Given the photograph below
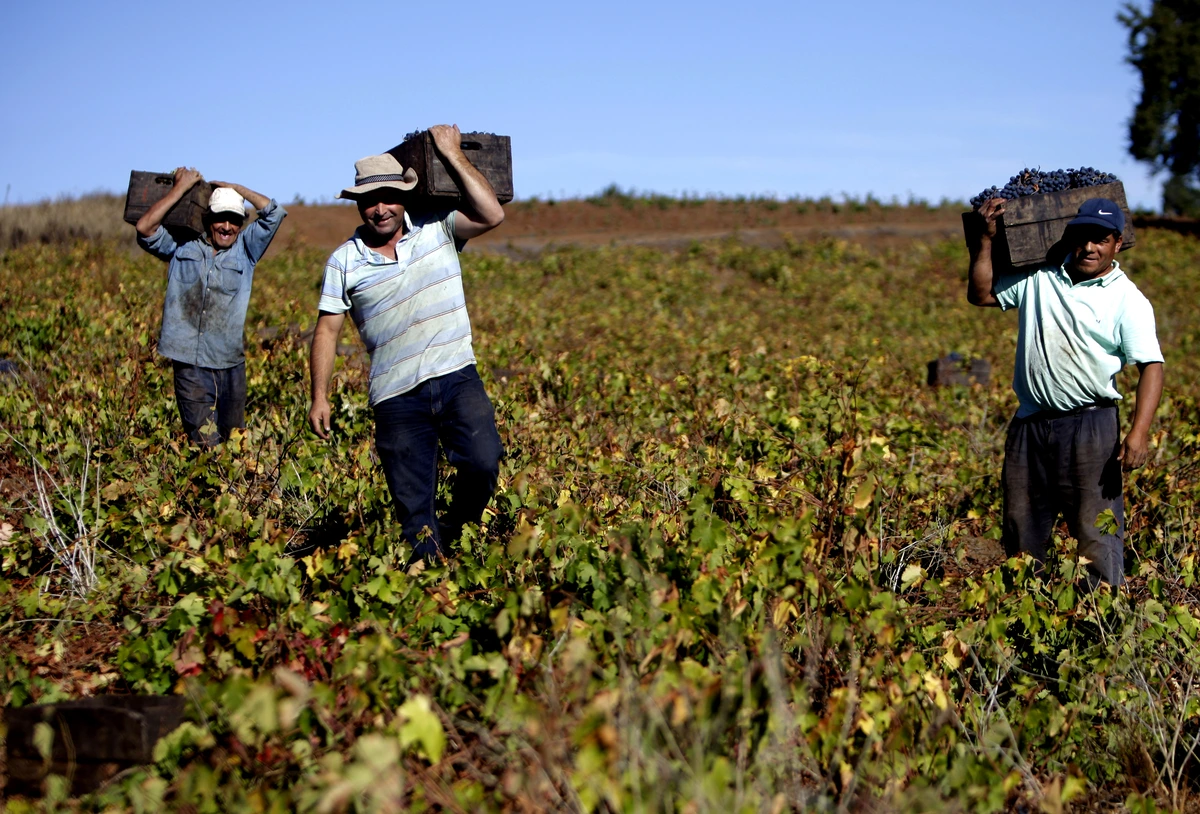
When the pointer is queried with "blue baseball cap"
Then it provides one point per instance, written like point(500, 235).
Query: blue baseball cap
point(1100, 212)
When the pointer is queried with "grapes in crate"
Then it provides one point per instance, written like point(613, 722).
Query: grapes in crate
point(1037, 182)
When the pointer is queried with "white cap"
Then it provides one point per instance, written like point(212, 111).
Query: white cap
point(224, 199)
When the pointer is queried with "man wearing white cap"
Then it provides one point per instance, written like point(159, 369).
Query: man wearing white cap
point(208, 290)
point(1080, 322)
point(399, 279)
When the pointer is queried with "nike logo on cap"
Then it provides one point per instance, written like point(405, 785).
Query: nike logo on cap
point(1102, 212)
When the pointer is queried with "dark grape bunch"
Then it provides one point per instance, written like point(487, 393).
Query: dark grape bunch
point(1035, 182)
point(416, 133)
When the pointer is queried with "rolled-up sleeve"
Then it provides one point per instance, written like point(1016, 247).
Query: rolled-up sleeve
point(258, 235)
point(448, 224)
point(334, 299)
point(160, 244)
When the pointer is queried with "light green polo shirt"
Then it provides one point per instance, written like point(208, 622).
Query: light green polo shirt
point(1074, 338)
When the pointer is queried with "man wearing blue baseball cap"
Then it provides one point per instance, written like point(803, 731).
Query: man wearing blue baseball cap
point(1080, 323)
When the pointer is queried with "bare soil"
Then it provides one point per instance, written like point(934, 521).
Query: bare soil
point(531, 226)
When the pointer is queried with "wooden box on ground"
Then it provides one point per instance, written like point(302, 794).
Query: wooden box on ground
point(148, 188)
point(491, 155)
point(1032, 227)
point(957, 369)
point(93, 739)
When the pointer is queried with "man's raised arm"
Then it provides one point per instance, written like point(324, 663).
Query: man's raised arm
point(981, 273)
point(482, 211)
point(258, 201)
point(185, 179)
point(259, 234)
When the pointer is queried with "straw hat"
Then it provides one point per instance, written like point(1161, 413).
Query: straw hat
point(376, 172)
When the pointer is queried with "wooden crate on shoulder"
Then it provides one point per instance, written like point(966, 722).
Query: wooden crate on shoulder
point(1031, 228)
point(489, 153)
point(148, 188)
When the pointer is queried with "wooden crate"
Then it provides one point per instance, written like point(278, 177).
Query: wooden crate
point(148, 188)
point(955, 369)
point(491, 155)
point(1031, 228)
point(94, 738)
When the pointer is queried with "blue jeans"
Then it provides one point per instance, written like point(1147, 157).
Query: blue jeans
point(1066, 464)
point(455, 411)
point(207, 396)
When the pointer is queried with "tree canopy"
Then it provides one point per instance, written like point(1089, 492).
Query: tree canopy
point(1164, 46)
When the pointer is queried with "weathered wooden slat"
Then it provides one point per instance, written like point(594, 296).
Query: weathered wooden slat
point(93, 738)
point(1031, 228)
point(490, 154)
point(955, 369)
point(148, 188)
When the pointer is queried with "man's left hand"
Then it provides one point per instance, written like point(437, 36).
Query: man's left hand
point(1134, 452)
point(447, 139)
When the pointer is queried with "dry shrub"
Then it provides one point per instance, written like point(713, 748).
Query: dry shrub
point(91, 217)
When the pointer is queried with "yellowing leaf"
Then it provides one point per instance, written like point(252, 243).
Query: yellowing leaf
point(933, 685)
point(865, 494)
point(421, 726)
point(43, 739)
point(913, 575)
point(952, 658)
point(783, 611)
point(1073, 787)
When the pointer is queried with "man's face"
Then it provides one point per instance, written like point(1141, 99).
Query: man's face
point(1093, 249)
point(223, 228)
point(382, 211)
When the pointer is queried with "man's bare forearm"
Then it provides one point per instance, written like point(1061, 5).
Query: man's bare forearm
point(320, 359)
point(981, 274)
point(1149, 394)
point(320, 368)
point(477, 192)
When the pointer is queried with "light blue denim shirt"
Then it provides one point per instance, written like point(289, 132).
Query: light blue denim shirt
point(204, 314)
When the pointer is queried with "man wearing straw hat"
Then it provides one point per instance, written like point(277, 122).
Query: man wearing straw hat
point(1080, 323)
point(399, 279)
point(208, 290)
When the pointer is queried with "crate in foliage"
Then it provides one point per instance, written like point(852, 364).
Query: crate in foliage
point(148, 188)
point(92, 739)
point(1031, 229)
point(489, 153)
point(956, 369)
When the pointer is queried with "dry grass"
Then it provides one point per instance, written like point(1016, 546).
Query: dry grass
point(91, 217)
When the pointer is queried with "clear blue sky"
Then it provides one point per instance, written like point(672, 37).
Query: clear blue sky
point(923, 99)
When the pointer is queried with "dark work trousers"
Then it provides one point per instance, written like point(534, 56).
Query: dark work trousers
point(208, 396)
point(455, 411)
point(1065, 463)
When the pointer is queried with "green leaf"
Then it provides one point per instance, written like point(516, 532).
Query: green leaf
point(421, 726)
point(43, 739)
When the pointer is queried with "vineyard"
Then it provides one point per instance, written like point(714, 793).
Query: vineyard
point(742, 558)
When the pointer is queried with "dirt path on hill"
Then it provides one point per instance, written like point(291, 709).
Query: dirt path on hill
point(532, 226)
point(877, 236)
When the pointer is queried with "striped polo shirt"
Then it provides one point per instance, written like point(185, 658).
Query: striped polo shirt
point(411, 312)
